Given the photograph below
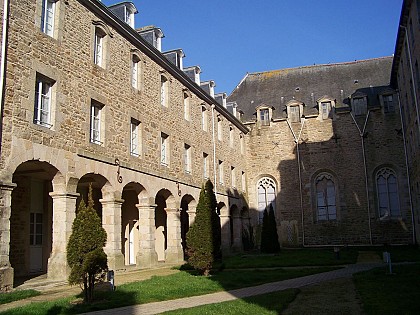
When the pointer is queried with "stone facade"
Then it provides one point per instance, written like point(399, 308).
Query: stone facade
point(50, 166)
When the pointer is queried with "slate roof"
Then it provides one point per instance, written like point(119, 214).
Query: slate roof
point(308, 84)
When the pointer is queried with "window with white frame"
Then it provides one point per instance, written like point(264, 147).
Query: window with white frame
point(164, 91)
point(325, 109)
point(243, 183)
point(233, 176)
point(387, 193)
point(221, 173)
point(266, 195)
point(241, 143)
point(204, 118)
point(388, 103)
point(43, 101)
point(98, 49)
point(96, 122)
point(219, 129)
point(164, 149)
point(205, 165)
point(325, 197)
point(359, 106)
point(187, 106)
point(135, 72)
point(294, 113)
point(135, 137)
point(187, 158)
point(264, 115)
point(48, 17)
point(231, 137)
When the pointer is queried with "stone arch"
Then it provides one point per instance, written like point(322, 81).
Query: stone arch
point(131, 194)
point(31, 220)
point(247, 230)
point(163, 200)
point(187, 216)
point(235, 228)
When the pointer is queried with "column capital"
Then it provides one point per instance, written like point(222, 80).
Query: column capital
point(7, 186)
point(172, 210)
point(146, 207)
point(111, 201)
point(63, 195)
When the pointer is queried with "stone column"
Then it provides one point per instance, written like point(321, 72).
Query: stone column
point(174, 252)
point(146, 255)
point(191, 214)
point(111, 222)
point(237, 233)
point(6, 271)
point(64, 213)
point(225, 224)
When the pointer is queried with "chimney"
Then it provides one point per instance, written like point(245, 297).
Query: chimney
point(175, 56)
point(153, 35)
point(124, 11)
point(221, 98)
point(193, 73)
point(208, 86)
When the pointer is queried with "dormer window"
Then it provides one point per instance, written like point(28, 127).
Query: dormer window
point(125, 11)
point(294, 110)
point(175, 57)
point(193, 73)
point(264, 117)
point(153, 35)
point(325, 107)
point(208, 86)
point(388, 103)
point(359, 105)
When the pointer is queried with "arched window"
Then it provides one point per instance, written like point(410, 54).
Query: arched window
point(325, 197)
point(387, 193)
point(266, 192)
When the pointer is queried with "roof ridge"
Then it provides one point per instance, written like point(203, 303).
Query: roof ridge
point(320, 65)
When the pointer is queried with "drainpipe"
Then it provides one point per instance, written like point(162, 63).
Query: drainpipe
point(361, 133)
point(3, 64)
point(297, 139)
point(407, 170)
point(214, 148)
point(413, 83)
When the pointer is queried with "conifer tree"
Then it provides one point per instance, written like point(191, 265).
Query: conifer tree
point(85, 253)
point(269, 236)
point(203, 237)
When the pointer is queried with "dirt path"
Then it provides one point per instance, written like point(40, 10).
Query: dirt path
point(333, 297)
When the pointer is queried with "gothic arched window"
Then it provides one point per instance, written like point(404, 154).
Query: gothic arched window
point(387, 193)
point(266, 192)
point(325, 197)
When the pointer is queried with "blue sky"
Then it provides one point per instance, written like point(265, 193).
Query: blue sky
point(228, 38)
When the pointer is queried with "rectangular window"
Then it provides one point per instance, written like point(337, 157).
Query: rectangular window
point(42, 111)
point(241, 143)
point(163, 91)
point(359, 106)
point(243, 181)
point(98, 50)
point(135, 137)
point(164, 149)
point(205, 165)
point(221, 173)
point(135, 71)
point(95, 122)
point(294, 113)
point(233, 176)
point(264, 117)
point(204, 118)
point(388, 103)
point(187, 158)
point(325, 109)
point(231, 137)
point(47, 17)
point(187, 109)
point(219, 129)
point(35, 228)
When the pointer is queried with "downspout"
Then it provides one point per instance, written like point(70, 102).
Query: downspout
point(3, 64)
point(297, 139)
point(214, 149)
point(413, 83)
point(407, 170)
point(361, 133)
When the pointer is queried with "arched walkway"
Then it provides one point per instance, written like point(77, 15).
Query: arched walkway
point(187, 215)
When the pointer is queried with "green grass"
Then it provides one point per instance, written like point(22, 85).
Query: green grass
point(266, 304)
point(293, 258)
point(401, 253)
point(17, 295)
point(174, 286)
point(398, 293)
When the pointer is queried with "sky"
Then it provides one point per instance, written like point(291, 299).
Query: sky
point(229, 38)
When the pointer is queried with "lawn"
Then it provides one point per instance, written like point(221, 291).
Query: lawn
point(17, 295)
point(163, 288)
point(398, 293)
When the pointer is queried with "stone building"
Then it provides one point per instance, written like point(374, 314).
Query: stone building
point(331, 142)
point(406, 78)
point(88, 99)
